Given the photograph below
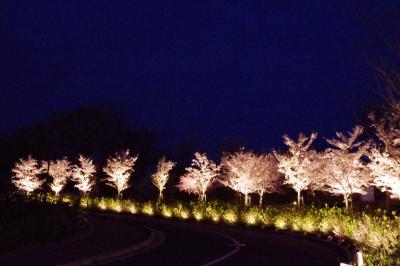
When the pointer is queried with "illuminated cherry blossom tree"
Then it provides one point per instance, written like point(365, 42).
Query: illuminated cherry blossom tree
point(298, 165)
point(266, 174)
point(388, 132)
point(118, 169)
point(26, 175)
point(60, 171)
point(82, 174)
point(385, 157)
point(345, 173)
point(386, 172)
point(239, 169)
point(200, 175)
point(160, 178)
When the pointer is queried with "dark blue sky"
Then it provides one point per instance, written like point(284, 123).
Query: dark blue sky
point(214, 69)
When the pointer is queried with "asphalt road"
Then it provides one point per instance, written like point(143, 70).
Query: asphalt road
point(190, 243)
point(103, 236)
point(175, 243)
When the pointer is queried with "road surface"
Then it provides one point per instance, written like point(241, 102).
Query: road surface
point(133, 240)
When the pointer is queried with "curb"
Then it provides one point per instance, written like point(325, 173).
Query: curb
point(330, 241)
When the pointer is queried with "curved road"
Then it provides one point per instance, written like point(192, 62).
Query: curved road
point(175, 243)
point(190, 243)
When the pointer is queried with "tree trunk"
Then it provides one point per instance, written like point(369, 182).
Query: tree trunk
point(261, 199)
point(387, 201)
point(160, 196)
point(346, 201)
point(203, 197)
point(246, 199)
point(298, 198)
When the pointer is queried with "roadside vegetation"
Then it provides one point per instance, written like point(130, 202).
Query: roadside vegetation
point(374, 232)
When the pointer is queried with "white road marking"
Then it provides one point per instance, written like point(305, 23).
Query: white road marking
point(156, 238)
point(235, 244)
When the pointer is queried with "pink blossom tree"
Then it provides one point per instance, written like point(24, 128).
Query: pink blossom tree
point(118, 169)
point(239, 172)
point(386, 172)
point(26, 175)
point(60, 171)
point(345, 173)
point(387, 129)
point(298, 164)
point(83, 173)
point(267, 176)
point(161, 176)
point(200, 175)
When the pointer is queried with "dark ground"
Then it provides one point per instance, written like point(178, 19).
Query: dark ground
point(185, 243)
point(193, 244)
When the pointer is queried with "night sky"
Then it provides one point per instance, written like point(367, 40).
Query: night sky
point(211, 70)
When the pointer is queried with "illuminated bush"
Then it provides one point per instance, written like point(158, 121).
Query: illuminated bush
point(148, 209)
point(165, 210)
point(116, 205)
point(198, 210)
point(250, 216)
point(308, 224)
point(132, 208)
point(181, 212)
point(281, 222)
point(267, 215)
point(214, 211)
point(230, 216)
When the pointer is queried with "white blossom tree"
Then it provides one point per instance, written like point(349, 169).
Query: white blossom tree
point(200, 175)
point(161, 176)
point(267, 176)
point(26, 175)
point(386, 172)
point(298, 165)
point(385, 157)
point(345, 173)
point(83, 173)
point(118, 169)
point(388, 131)
point(60, 171)
point(239, 169)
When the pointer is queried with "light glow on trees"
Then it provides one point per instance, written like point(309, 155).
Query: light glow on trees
point(26, 175)
point(160, 178)
point(267, 176)
point(82, 174)
point(386, 172)
point(297, 165)
point(239, 168)
point(118, 169)
point(388, 132)
point(60, 171)
point(345, 173)
point(199, 176)
point(385, 160)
